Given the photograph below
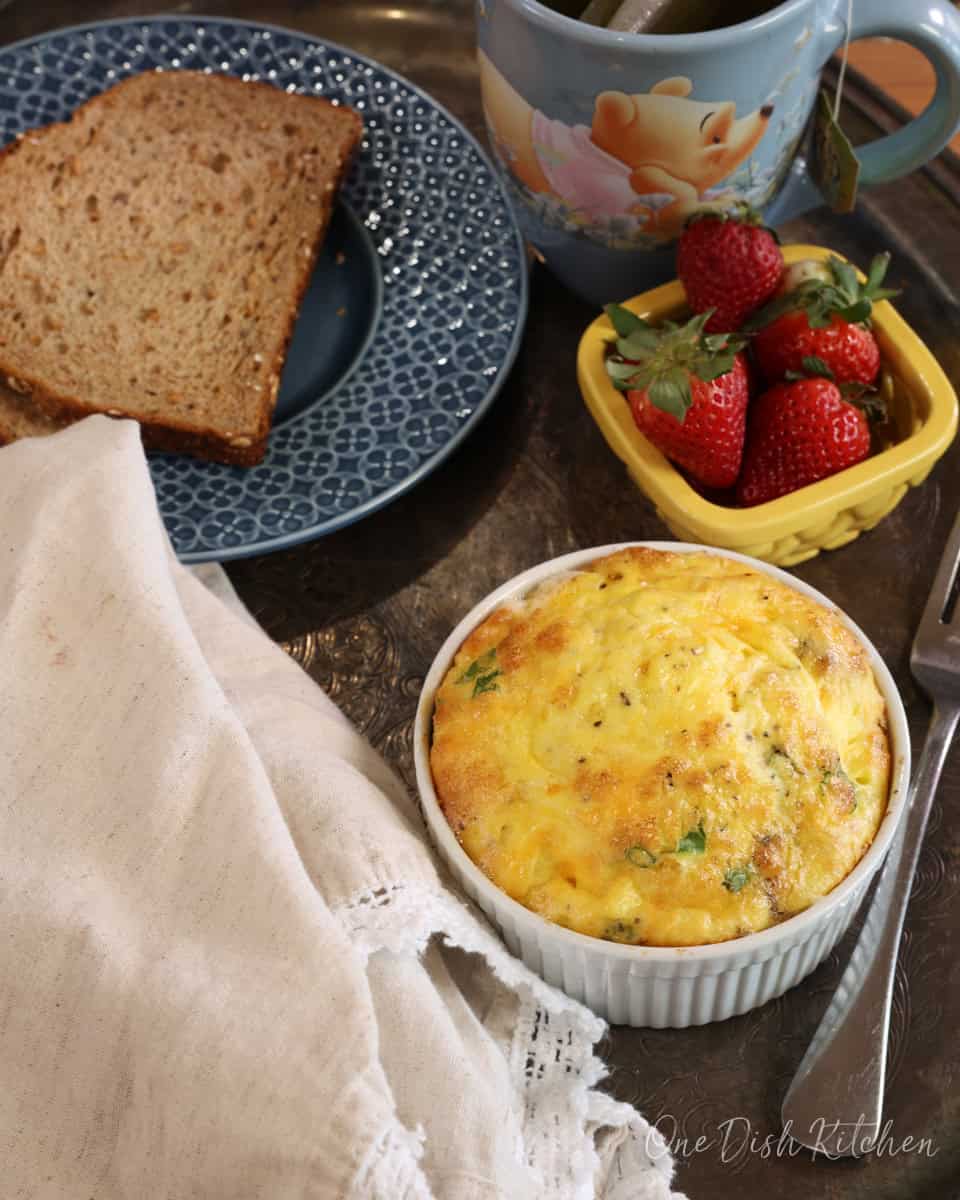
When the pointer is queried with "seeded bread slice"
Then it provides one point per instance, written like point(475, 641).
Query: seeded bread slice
point(20, 418)
point(154, 250)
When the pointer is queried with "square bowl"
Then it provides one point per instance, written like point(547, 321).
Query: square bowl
point(661, 986)
point(820, 516)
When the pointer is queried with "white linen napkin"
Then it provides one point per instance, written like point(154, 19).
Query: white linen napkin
point(228, 966)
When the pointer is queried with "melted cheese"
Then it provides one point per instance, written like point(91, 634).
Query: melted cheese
point(663, 749)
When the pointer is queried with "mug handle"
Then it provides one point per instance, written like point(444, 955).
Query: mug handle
point(937, 36)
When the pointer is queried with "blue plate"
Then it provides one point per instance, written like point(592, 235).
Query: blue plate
point(415, 309)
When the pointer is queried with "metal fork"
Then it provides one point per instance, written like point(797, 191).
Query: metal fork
point(835, 1103)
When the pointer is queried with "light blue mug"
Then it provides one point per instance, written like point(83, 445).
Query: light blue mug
point(609, 141)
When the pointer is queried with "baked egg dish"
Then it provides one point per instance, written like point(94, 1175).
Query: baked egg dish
point(661, 748)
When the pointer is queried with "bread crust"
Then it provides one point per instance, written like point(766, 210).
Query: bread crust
point(170, 432)
point(20, 418)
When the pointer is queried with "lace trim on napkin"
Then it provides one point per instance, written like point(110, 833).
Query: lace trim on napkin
point(579, 1142)
point(391, 1168)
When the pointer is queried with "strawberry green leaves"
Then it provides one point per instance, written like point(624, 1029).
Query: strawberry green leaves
point(660, 361)
point(814, 365)
point(841, 295)
point(858, 299)
point(692, 391)
point(861, 394)
point(669, 392)
point(624, 321)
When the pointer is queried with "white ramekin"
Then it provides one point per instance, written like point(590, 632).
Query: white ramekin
point(654, 986)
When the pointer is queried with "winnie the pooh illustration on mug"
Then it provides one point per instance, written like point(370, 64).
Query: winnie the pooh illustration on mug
point(653, 157)
point(608, 142)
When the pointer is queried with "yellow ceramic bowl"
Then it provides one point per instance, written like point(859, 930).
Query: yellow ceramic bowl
point(821, 516)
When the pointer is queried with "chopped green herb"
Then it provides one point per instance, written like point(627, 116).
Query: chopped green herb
point(640, 856)
point(620, 931)
point(736, 878)
point(836, 777)
point(694, 841)
point(479, 665)
point(837, 772)
point(479, 671)
point(484, 683)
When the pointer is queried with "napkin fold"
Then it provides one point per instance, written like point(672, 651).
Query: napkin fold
point(228, 965)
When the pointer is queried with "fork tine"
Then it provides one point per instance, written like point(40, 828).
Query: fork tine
point(935, 613)
point(853, 1031)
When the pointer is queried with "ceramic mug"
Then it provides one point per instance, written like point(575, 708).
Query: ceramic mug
point(609, 141)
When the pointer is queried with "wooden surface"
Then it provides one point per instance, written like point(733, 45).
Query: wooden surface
point(900, 70)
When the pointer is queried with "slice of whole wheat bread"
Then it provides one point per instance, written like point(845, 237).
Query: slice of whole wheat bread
point(154, 250)
point(20, 418)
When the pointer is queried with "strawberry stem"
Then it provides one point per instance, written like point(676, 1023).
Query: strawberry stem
point(661, 361)
point(842, 295)
point(740, 211)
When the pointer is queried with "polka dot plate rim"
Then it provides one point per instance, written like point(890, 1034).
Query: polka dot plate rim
point(424, 325)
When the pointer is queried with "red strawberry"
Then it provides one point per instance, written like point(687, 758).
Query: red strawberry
point(687, 390)
point(849, 352)
point(731, 264)
point(708, 441)
point(799, 432)
point(825, 322)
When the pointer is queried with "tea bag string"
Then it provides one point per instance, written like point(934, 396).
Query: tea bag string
point(843, 62)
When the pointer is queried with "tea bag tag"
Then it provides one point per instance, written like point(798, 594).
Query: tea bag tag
point(835, 167)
